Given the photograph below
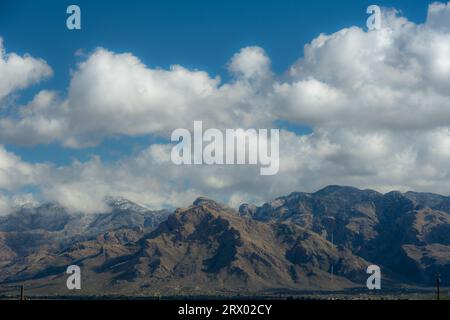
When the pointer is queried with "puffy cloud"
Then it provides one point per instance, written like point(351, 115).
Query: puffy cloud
point(115, 94)
point(394, 78)
point(18, 72)
point(250, 63)
point(377, 101)
point(5, 206)
point(41, 121)
point(382, 160)
point(438, 17)
point(16, 173)
point(397, 77)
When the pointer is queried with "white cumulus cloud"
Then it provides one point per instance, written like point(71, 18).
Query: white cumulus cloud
point(18, 72)
point(377, 102)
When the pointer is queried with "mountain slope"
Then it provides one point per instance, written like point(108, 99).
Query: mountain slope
point(304, 241)
point(206, 248)
point(49, 227)
point(207, 244)
point(406, 233)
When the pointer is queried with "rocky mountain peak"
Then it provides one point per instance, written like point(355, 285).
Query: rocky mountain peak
point(211, 204)
point(247, 210)
point(291, 243)
point(120, 203)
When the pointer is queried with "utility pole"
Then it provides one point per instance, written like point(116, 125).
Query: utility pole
point(438, 283)
point(332, 264)
point(333, 228)
point(22, 292)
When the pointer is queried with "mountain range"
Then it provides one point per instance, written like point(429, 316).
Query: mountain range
point(300, 242)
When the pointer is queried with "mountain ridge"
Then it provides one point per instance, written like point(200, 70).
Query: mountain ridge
point(303, 241)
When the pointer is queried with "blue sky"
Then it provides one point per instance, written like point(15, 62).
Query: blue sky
point(367, 108)
point(196, 34)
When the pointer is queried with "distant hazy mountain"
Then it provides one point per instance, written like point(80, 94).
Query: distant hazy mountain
point(50, 227)
point(303, 241)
